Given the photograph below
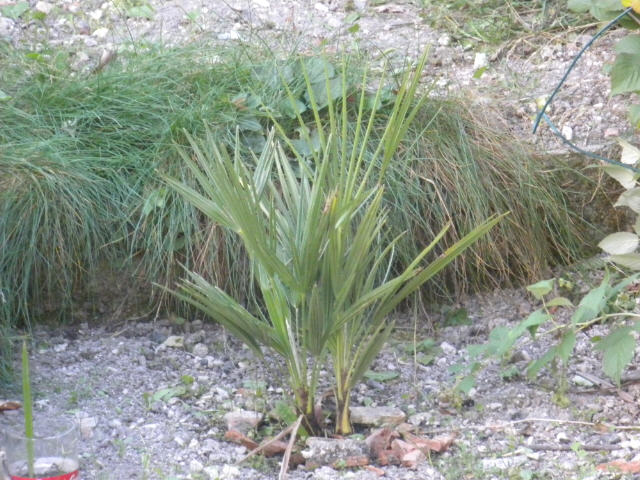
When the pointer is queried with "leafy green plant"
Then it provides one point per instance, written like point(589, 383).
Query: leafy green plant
point(312, 231)
point(625, 72)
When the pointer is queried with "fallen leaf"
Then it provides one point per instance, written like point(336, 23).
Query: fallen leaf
point(426, 445)
point(351, 462)
point(408, 453)
point(379, 443)
point(5, 406)
point(377, 471)
point(621, 465)
point(241, 439)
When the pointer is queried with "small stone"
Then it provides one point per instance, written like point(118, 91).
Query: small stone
point(212, 472)
point(444, 40)
point(321, 7)
point(580, 381)
point(200, 350)
point(611, 132)
point(243, 420)
point(503, 463)
point(231, 35)
point(377, 416)
point(6, 27)
point(87, 425)
point(179, 441)
point(61, 347)
point(195, 466)
point(448, 349)
point(327, 451)
point(481, 60)
point(44, 7)
point(101, 32)
point(562, 438)
point(174, 341)
point(96, 14)
point(567, 132)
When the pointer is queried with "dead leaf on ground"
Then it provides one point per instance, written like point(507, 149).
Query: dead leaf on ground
point(408, 453)
point(351, 462)
point(6, 406)
point(620, 465)
point(241, 439)
point(425, 445)
point(271, 449)
point(377, 471)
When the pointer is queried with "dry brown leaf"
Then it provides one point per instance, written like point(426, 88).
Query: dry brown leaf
point(351, 462)
point(426, 445)
point(241, 439)
point(408, 454)
point(377, 471)
point(6, 406)
point(620, 465)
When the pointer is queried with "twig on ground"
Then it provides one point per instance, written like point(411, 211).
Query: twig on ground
point(264, 445)
point(287, 452)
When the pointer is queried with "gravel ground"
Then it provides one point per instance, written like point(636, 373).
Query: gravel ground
point(148, 410)
point(151, 411)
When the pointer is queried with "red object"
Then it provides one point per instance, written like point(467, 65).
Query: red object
point(75, 475)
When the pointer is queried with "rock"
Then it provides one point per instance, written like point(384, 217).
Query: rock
point(377, 416)
point(6, 27)
point(174, 341)
point(444, 40)
point(243, 420)
point(481, 60)
point(448, 349)
point(611, 132)
point(567, 132)
point(333, 451)
point(101, 32)
point(503, 463)
point(44, 7)
point(200, 350)
point(87, 424)
point(195, 466)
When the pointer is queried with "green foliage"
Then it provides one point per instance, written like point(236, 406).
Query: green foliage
point(625, 72)
point(311, 224)
point(80, 155)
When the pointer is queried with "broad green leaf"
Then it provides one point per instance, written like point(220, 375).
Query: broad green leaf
point(466, 384)
point(292, 108)
point(625, 73)
point(565, 347)
point(166, 394)
point(319, 69)
point(533, 322)
point(321, 94)
point(381, 376)
point(541, 288)
point(629, 44)
point(591, 304)
point(560, 302)
point(636, 226)
point(620, 243)
point(631, 199)
point(629, 260)
point(618, 349)
point(630, 154)
point(4, 97)
point(14, 11)
point(624, 176)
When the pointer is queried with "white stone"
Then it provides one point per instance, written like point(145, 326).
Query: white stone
point(377, 416)
point(321, 7)
point(96, 15)
point(444, 40)
point(231, 35)
point(200, 350)
point(6, 27)
point(87, 425)
point(243, 420)
point(101, 32)
point(567, 132)
point(481, 60)
point(195, 466)
point(44, 7)
point(174, 341)
point(448, 349)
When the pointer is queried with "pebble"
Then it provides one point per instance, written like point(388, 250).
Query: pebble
point(195, 466)
point(481, 60)
point(377, 416)
point(200, 350)
point(44, 7)
point(101, 32)
point(6, 27)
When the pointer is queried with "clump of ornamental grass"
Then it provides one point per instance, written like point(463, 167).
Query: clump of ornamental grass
point(457, 168)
